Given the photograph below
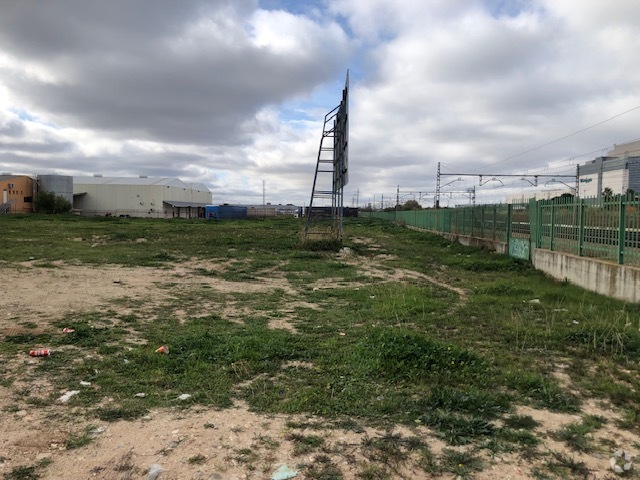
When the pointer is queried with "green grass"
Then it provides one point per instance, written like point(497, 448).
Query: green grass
point(303, 444)
point(81, 439)
point(577, 436)
point(376, 352)
point(22, 473)
point(323, 468)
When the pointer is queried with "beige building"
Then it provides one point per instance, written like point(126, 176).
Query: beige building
point(619, 172)
point(139, 197)
point(16, 194)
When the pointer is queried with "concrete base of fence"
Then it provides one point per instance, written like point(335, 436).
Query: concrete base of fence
point(610, 279)
point(499, 247)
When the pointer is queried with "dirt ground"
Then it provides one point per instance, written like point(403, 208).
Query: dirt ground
point(201, 443)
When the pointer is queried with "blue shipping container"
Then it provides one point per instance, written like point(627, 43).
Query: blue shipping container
point(231, 211)
point(211, 212)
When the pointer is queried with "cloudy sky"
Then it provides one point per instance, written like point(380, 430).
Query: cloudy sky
point(232, 93)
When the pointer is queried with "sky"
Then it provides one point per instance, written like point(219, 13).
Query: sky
point(233, 94)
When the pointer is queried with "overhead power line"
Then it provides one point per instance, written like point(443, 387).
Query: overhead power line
point(566, 136)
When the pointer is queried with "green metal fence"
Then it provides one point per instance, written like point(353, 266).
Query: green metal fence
point(608, 229)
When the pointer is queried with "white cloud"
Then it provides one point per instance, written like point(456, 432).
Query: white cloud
point(231, 94)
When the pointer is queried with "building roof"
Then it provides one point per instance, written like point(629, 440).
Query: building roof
point(199, 187)
point(4, 177)
point(169, 182)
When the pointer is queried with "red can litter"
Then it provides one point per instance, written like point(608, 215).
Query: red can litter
point(44, 352)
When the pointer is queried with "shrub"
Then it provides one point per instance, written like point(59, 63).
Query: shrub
point(49, 202)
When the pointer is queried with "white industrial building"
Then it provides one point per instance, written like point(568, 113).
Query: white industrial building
point(139, 197)
point(619, 171)
point(525, 196)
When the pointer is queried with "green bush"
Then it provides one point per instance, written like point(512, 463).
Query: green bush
point(49, 202)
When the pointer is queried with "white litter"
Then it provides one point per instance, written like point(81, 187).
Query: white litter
point(67, 396)
point(184, 396)
point(284, 473)
point(154, 471)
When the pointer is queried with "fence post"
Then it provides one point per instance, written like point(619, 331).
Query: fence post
point(533, 228)
point(581, 220)
point(552, 227)
point(621, 229)
point(495, 220)
point(509, 213)
point(472, 219)
point(482, 221)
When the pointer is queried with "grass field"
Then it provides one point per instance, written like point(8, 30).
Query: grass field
point(400, 328)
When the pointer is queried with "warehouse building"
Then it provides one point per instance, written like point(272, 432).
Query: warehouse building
point(619, 171)
point(139, 197)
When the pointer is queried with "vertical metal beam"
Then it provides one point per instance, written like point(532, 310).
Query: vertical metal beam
point(581, 219)
point(621, 229)
point(437, 200)
point(552, 227)
point(509, 216)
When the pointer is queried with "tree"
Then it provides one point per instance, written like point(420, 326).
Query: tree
point(607, 192)
point(49, 202)
point(411, 205)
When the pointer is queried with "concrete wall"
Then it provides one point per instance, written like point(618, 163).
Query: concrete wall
point(499, 247)
point(610, 279)
point(496, 246)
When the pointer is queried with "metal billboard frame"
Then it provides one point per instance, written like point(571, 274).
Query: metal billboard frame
point(331, 174)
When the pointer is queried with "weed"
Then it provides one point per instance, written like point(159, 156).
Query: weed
point(246, 456)
point(197, 459)
point(374, 472)
point(22, 473)
point(565, 465)
point(323, 468)
point(542, 391)
point(523, 422)
point(80, 440)
point(577, 435)
point(390, 450)
point(267, 442)
point(323, 245)
point(128, 412)
point(458, 429)
point(472, 401)
point(460, 463)
point(303, 444)
point(522, 438)
point(124, 464)
point(347, 424)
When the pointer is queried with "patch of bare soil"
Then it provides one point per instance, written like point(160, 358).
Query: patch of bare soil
point(200, 443)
